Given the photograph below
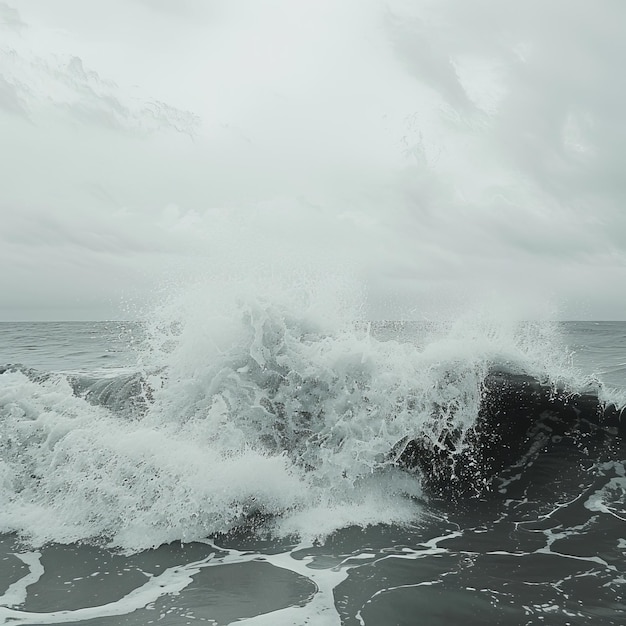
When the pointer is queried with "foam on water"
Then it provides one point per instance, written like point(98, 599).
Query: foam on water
point(276, 411)
point(609, 499)
point(319, 608)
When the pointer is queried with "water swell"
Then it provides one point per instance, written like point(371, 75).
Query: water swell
point(266, 415)
point(124, 394)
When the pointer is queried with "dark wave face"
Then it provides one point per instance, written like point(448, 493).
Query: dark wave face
point(519, 416)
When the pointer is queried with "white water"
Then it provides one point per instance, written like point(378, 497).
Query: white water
point(273, 408)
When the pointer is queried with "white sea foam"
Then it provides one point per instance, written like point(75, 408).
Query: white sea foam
point(319, 609)
point(609, 499)
point(16, 594)
point(273, 408)
point(171, 581)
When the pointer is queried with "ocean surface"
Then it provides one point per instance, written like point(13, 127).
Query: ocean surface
point(248, 469)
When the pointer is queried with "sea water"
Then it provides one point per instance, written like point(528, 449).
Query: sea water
point(240, 464)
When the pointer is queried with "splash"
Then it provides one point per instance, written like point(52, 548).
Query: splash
point(276, 411)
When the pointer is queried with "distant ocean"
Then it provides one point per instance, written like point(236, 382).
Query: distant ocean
point(250, 470)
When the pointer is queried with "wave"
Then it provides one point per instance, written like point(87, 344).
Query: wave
point(272, 418)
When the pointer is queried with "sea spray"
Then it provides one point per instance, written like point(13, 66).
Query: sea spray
point(271, 408)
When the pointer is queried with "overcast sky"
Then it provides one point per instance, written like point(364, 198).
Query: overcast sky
point(435, 150)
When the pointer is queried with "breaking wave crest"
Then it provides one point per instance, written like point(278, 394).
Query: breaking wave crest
point(257, 412)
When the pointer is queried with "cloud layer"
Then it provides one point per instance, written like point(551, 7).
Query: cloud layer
point(439, 150)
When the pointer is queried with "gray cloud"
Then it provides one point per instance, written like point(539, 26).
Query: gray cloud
point(561, 119)
point(84, 96)
point(435, 148)
point(10, 100)
point(184, 9)
point(10, 17)
point(559, 122)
